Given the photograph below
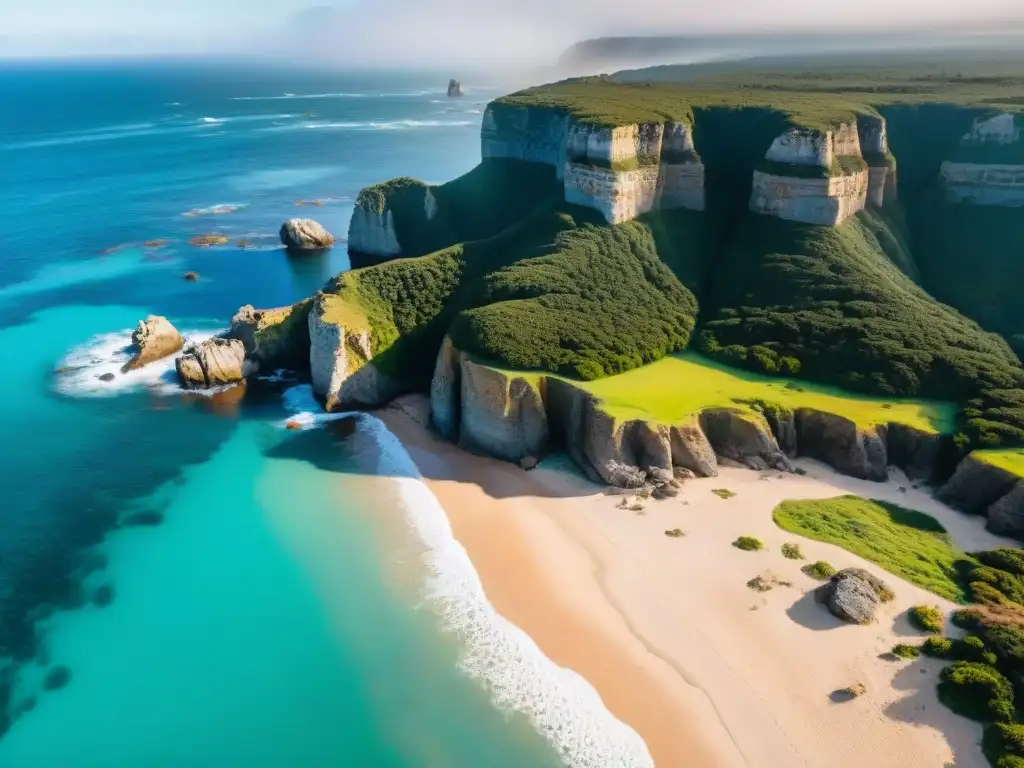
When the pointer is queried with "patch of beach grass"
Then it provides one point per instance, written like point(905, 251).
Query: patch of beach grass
point(909, 544)
point(819, 570)
point(748, 544)
point(792, 551)
point(723, 493)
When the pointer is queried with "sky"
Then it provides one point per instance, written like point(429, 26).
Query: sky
point(407, 31)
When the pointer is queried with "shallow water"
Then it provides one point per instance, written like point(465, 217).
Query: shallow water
point(221, 590)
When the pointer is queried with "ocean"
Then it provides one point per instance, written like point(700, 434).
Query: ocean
point(183, 581)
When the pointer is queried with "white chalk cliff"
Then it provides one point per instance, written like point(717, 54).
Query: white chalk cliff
point(988, 183)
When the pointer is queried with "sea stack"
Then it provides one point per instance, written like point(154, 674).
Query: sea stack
point(153, 339)
point(455, 87)
point(305, 236)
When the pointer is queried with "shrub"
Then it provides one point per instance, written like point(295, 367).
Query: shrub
point(967, 618)
point(1007, 643)
point(723, 493)
point(976, 691)
point(927, 618)
point(905, 651)
point(938, 647)
point(819, 570)
point(675, 533)
point(792, 551)
point(748, 544)
point(1003, 745)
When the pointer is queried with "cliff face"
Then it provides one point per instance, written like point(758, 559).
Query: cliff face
point(980, 488)
point(824, 177)
point(620, 171)
point(373, 232)
point(989, 167)
point(340, 360)
point(514, 417)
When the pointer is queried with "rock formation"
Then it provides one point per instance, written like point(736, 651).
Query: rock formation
point(743, 437)
point(372, 231)
point(213, 363)
point(980, 488)
point(152, 339)
point(840, 443)
point(274, 338)
point(1006, 516)
point(989, 166)
point(305, 235)
point(454, 87)
point(340, 359)
point(853, 595)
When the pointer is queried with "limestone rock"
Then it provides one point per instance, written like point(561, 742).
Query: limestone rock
point(454, 87)
point(152, 339)
point(1006, 516)
point(913, 450)
point(372, 233)
point(211, 364)
point(783, 426)
point(501, 416)
point(840, 443)
point(853, 595)
point(340, 359)
point(445, 387)
point(691, 449)
point(976, 486)
point(305, 235)
point(743, 437)
point(274, 338)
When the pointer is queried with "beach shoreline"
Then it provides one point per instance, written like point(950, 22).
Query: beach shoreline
point(706, 671)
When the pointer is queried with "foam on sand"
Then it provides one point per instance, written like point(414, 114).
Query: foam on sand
point(561, 705)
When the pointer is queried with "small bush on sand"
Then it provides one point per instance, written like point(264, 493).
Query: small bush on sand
point(792, 551)
point(723, 493)
point(977, 691)
point(675, 533)
point(905, 651)
point(748, 544)
point(820, 570)
point(938, 648)
point(766, 582)
point(927, 618)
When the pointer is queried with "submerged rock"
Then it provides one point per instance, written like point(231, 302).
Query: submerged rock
point(107, 377)
point(153, 339)
point(57, 678)
point(853, 595)
point(213, 363)
point(305, 235)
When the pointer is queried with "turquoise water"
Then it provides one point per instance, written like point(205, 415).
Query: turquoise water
point(183, 581)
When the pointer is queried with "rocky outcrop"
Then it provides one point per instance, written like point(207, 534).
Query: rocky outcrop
point(824, 201)
point(839, 442)
point(783, 426)
point(691, 449)
point(743, 437)
point(501, 415)
point(305, 235)
point(620, 171)
point(914, 451)
point(274, 338)
point(977, 485)
point(853, 595)
point(1006, 516)
point(213, 363)
point(988, 167)
point(372, 231)
point(154, 338)
point(454, 87)
point(340, 357)
point(445, 391)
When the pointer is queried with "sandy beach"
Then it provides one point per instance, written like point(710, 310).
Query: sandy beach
point(707, 671)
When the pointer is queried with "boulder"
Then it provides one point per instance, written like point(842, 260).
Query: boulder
point(305, 235)
point(455, 87)
point(153, 339)
point(976, 486)
point(914, 451)
point(840, 443)
point(692, 451)
point(853, 595)
point(743, 437)
point(107, 377)
point(211, 364)
point(1006, 516)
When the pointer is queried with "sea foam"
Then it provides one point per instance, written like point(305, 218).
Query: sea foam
point(106, 353)
point(562, 706)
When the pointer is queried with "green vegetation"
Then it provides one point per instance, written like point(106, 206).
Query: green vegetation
point(723, 493)
point(977, 691)
point(748, 544)
point(792, 551)
point(904, 651)
point(653, 392)
point(675, 533)
point(819, 570)
point(1010, 460)
point(1004, 745)
point(908, 544)
point(927, 618)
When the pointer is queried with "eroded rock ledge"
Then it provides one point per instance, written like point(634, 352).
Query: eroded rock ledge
point(989, 168)
point(979, 488)
point(519, 417)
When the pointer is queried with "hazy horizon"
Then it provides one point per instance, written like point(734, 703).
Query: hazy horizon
point(376, 33)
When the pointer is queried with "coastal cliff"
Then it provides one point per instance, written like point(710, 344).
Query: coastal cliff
point(981, 488)
point(988, 167)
